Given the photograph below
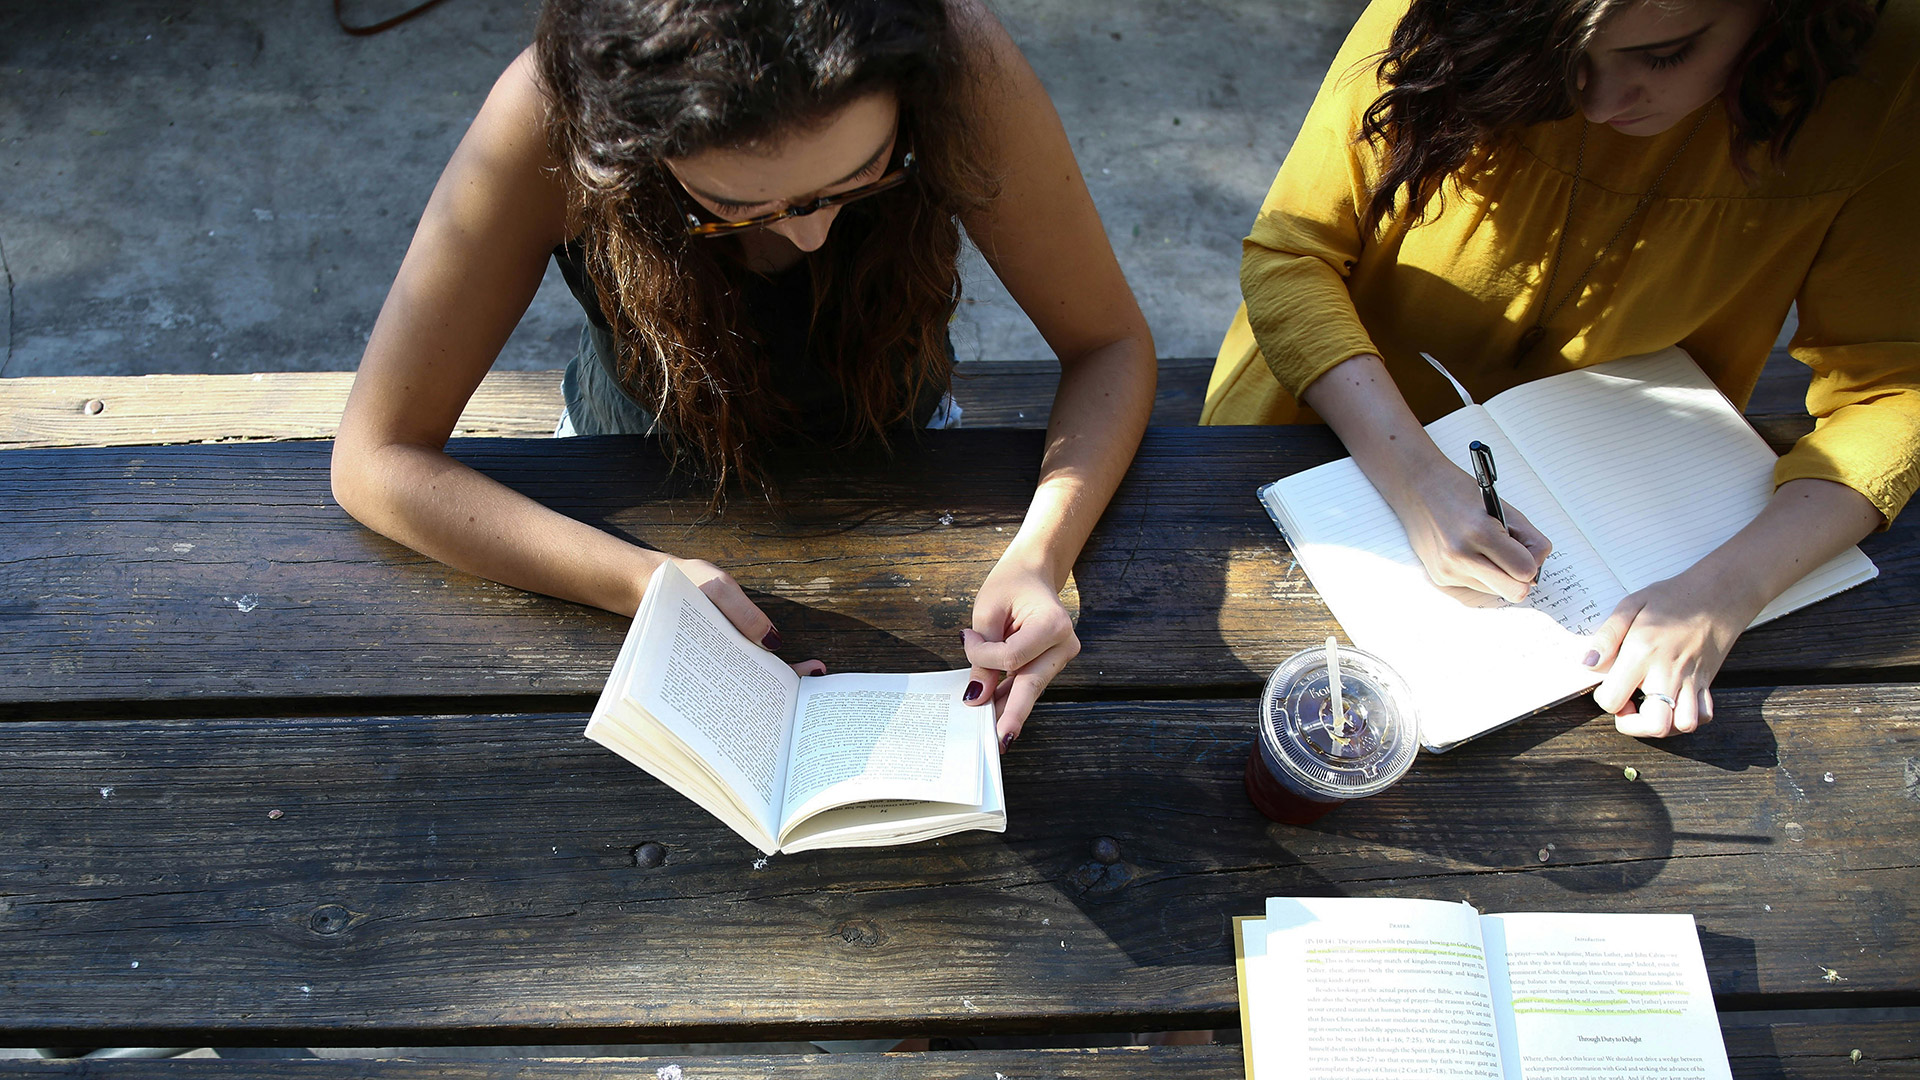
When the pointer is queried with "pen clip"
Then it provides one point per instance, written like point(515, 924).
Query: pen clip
point(1483, 469)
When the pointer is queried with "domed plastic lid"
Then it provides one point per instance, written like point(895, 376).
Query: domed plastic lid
point(1358, 753)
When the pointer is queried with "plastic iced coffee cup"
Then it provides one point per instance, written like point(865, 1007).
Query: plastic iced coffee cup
point(1307, 759)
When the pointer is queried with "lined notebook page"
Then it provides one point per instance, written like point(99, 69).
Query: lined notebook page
point(1470, 668)
point(1654, 466)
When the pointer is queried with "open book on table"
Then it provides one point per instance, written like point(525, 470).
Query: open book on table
point(794, 763)
point(1635, 469)
point(1342, 987)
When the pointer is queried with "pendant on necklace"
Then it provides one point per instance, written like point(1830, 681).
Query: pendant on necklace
point(1528, 341)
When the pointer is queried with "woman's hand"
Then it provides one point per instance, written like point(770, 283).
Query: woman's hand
point(1021, 637)
point(744, 614)
point(731, 599)
point(1459, 543)
point(1668, 641)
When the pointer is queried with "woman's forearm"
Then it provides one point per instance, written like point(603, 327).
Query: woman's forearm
point(424, 499)
point(1806, 523)
point(1438, 504)
point(1360, 402)
point(1099, 414)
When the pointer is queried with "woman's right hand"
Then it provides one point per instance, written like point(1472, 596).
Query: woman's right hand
point(1459, 543)
point(744, 614)
point(731, 599)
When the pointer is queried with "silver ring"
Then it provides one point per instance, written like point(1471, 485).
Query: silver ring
point(1657, 697)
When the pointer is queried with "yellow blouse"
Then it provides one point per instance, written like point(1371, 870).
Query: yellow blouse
point(1712, 264)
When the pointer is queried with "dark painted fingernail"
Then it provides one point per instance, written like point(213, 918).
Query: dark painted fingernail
point(1006, 741)
point(973, 691)
point(1592, 658)
point(772, 640)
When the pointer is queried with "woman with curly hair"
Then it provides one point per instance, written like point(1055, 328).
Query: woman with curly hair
point(759, 204)
point(1523, 187)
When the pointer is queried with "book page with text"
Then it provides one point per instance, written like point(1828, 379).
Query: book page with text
point(1604, 995)
point(863, 737)
point(1655, 466)
point(1503, 660)
point(906, 821)
point(730, 701)
point(1360, 987)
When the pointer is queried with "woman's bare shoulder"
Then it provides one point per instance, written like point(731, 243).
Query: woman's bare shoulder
point(508, 150)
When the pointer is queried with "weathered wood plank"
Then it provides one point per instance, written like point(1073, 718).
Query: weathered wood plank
point(226, 572)
point(1816, 1050)
point(99, 410)
point(144, 410)
point(1782, 387)
point(1108, 1063)
point(1019, 393)
point(1887, 1049)
point(472, 879)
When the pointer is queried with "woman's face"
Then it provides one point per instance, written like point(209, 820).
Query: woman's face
point(1654, 63)
point(851, 147)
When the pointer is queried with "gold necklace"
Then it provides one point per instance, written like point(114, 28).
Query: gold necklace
point(1539, 329)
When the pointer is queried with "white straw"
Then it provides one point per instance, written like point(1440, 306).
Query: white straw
point(1333, 679)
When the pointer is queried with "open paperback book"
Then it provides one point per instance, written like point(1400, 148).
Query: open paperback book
point(1635, 469)
point(1340, 988)
point(794, 763)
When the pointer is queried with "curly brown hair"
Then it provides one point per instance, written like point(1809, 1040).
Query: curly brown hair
point(1463, 76)
point(633, 82)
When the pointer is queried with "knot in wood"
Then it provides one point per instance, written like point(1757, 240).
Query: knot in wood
point(94, 407)
point(1098, 882)
point(1106, 850)
point(860, 932)
point(329, 919)
point(649, 855)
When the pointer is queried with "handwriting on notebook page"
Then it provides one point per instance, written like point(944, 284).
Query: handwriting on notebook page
point(1559, 593)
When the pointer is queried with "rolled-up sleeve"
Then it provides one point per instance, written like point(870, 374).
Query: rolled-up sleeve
point(1860, 332)
point(1294, 265)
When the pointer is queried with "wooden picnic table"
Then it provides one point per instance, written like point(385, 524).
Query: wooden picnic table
point(269, 778)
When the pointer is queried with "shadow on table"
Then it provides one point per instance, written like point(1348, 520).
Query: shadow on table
point(1581, 820)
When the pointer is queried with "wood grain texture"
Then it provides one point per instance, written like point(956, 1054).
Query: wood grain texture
point(1112, 1063)
point(1780, 1050)
point(1019, 393)
point(98, 410)
point(227, 572)
point(1888, 1050)
point(472, 879)
point(155, 410)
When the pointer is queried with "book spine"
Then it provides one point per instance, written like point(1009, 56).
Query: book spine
point(1267, 496)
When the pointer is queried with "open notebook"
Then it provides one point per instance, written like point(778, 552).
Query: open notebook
point(1635, 470)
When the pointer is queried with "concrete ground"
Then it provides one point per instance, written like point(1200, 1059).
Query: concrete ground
point(228, 186)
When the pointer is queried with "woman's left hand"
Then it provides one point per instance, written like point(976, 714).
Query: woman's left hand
point(1668, 641)
point(1021, 637)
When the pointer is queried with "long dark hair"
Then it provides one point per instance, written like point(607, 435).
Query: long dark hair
point(632, 82)
point(1464, 75)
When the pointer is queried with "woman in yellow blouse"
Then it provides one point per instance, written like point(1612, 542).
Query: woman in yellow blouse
point(1522, 188)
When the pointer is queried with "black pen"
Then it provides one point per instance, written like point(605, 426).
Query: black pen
point(1484, 472)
